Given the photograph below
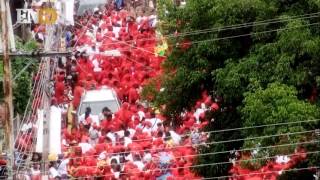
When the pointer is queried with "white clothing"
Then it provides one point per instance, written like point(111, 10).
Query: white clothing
point(64, 142)
point(129, 158)
point(116, 175)
point(85, 147)
point(53, 172)
point(197, 114)
point(82, 117)
point(102, 156)
point(94, 118)
point(132, 132)
point(175, 137)
point(139, 164)
point(282, 159)
point(112, 138)
point(35, 172)
point(26, 127)
point(154, 122)
point(95, 63)
point(120, 133)
point(147, 157)
point(62, 168)
point(127, 141)
point(116, 31)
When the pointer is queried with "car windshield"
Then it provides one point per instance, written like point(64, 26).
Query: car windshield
point(97, 106)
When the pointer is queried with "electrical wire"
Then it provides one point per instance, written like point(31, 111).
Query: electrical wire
point(28, 104)
point(253, 23)
point(200, 154)
point(238, 175)
point(204, 165)
point(249, 34)
point(262, 173)
point(39, 90)
point(78, 39)
point(236, 26)
point(243, 128)
point(223, 38)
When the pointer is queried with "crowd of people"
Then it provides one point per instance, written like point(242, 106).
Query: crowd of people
point(136, 142)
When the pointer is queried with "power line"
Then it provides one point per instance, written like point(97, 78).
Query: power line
point(222, 38)
point(262, 173)
point(202, 165)
point(38, 88)
point(37, 98)
point(219, 142)
point(238, 175)
point(200, 154)
point(236, 26)
point(29, 101)
point(244, 128)
point(249, 34)
point(257, 22)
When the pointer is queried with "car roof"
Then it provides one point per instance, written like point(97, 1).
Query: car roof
point(104, 94)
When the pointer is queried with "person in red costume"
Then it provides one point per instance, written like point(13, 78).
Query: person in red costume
point(59, 89)
point(125, 114)
point(84, 66)
point(78, 91)
point(91, 82)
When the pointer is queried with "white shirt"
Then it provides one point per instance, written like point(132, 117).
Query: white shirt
point(102, 156)
point(282, 159)
point(129, 158)
point(154, 122)
point(197, 114)
point(53, 172)
point(175, 137)
point(85, 147)
point(147, 157)
point(62, 169)
point(139, 164)
point(82, 117)
point(120, 133)
point(26, 127)
point(116, 31)
point(112, 138)
point(132, 132)
point(127, 141)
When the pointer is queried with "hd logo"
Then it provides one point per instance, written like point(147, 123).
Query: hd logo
point(42, 16)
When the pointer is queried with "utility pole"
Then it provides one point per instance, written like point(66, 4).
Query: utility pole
point(7, 87)
point(10, 28)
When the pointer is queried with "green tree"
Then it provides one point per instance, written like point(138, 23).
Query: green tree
point(233, 62)
point(223, 120)
point(22, 83)
point(277, 103)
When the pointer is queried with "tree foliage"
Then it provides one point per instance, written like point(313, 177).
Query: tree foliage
point(277, 103)
point(22, 83)
point(264, 71)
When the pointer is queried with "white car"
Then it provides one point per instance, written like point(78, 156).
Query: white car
point(97, 100)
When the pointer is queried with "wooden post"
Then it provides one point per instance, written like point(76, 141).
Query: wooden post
point(7, 87)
